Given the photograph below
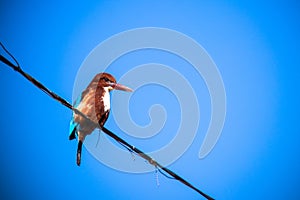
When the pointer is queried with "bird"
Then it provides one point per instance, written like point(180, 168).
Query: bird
point(94, 103)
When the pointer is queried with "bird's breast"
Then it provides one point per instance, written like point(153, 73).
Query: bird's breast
point(102, 101)
point(106, 100)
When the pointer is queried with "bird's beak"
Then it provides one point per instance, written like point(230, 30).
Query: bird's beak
point(118, 86)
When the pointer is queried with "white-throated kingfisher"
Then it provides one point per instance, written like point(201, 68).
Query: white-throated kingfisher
point(94, 102)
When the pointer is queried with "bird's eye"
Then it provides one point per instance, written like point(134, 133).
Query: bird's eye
point(105, 79)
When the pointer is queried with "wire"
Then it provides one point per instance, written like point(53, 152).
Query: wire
point(163, 170)
point(3, 47)
point(163, 173)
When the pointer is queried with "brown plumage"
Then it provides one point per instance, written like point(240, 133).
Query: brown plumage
point(94, 102)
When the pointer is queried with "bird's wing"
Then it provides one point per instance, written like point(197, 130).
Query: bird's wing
point(74, 126)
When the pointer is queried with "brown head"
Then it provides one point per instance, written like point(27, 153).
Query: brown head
point(107, 80)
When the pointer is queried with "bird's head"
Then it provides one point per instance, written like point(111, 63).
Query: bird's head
point(108, 81)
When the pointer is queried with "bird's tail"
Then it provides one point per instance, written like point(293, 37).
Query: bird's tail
point(78, 155)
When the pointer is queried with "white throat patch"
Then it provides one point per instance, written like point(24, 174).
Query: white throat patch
point(106, 99)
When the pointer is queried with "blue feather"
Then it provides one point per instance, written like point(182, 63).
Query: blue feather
point(74, 125)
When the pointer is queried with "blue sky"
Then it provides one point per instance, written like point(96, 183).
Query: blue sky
point(255, 46)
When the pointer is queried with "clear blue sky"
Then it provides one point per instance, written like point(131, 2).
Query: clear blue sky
point(256, 48)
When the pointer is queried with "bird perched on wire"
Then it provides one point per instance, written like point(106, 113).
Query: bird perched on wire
point(94, 102)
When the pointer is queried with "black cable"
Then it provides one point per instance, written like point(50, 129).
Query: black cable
point(3, 47)
point(128, 146)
